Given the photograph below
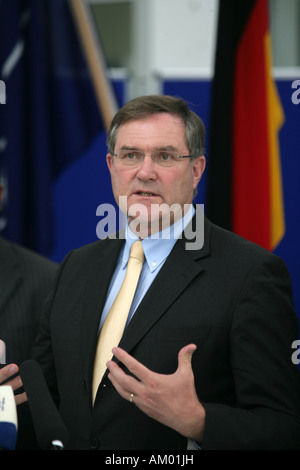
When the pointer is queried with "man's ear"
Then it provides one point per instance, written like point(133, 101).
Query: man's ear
point(199, 166)
point(109, 158)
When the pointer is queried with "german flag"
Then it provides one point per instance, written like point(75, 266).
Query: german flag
point(244, 188)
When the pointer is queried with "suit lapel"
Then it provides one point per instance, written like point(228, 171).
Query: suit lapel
point(180, 268)
point(10, 273)
point(97, 280)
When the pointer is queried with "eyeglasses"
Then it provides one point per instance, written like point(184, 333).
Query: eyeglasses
point(134, 158)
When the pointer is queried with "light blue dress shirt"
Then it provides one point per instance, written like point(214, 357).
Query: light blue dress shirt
point(156, 249)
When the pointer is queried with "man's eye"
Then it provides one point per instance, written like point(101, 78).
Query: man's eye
point(131, 156)
point(165, 156)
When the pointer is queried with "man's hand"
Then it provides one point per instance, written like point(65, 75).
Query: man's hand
point(16, 382)
point(169, 399)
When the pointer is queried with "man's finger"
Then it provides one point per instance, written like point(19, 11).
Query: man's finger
point(21, 398)
point(134, 366)
point(185, 356)
point(7, 372)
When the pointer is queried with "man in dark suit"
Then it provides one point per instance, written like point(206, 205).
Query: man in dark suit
point(25, 279)
point(205, 358)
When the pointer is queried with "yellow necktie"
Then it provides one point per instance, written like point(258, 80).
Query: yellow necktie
point(114, 324)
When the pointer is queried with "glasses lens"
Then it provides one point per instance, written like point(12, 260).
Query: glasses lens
point(131, 158)
point(165, 158)
point(135, 157)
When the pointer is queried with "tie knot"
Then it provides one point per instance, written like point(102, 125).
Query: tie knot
point(137, 251)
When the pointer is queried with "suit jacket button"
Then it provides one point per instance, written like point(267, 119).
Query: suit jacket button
point(94, 443)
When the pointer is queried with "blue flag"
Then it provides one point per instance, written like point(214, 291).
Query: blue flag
point(49, 117)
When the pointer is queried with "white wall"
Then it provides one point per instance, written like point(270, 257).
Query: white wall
point(184, 34)
point(176, 38)
point(171, 38)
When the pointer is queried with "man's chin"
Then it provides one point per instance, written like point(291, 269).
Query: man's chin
point(140, 225)
point(145, 221)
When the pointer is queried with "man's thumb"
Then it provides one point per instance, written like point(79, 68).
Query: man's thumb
point(185, 356)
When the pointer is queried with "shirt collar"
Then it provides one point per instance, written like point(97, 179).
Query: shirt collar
point(158, 246)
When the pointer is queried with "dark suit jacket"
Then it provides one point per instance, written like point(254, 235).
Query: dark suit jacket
point(232, 298)
point(25, 281)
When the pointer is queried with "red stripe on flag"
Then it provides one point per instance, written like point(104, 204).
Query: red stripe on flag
point(251, 168)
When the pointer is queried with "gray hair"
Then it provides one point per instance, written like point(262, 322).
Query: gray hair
point(145, 106)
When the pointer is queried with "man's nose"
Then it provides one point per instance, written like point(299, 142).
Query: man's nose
point(147, 168)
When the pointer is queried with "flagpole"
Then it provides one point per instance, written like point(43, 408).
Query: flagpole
point(95, 59)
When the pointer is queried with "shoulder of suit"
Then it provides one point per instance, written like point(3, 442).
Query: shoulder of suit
point(223, 241)
point(34, 259)
point(97, 247)
point(20, 255)
point(34, 272)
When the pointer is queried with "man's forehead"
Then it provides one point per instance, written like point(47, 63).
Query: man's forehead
point(168, 129)
point(155, 118)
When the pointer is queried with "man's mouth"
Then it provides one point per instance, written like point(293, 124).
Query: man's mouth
point(145, 193)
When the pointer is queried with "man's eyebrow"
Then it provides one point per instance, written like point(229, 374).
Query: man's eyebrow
point(169, 148)
point(126, 147)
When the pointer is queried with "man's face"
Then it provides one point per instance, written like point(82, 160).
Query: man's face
point(150, 184)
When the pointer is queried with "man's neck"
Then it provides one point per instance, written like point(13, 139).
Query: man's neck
point(171, 227)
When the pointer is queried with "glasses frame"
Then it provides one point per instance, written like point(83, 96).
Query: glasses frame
point(152, 156)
